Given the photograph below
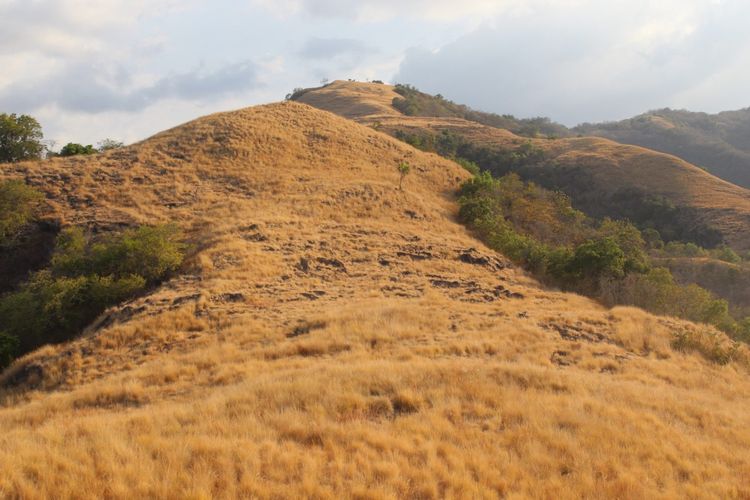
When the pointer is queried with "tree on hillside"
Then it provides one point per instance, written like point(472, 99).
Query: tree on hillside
point(107, 144)
point(73, 149)
point(20, 138)
point(403, 169)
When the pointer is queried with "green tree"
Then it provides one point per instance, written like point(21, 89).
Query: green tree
point(630, 240)
point(601, 257)
point(403, 169)
point(20, 138)
point(73, 149)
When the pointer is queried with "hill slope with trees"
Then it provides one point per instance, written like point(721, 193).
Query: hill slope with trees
point(720, 143)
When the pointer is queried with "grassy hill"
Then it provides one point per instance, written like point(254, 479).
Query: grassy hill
point(719, 142)
point(602, 177)
point(330, 335)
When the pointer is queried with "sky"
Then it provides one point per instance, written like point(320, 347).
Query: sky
point(126, 69)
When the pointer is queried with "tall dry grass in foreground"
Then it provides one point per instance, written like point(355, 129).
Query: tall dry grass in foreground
point(334, 337)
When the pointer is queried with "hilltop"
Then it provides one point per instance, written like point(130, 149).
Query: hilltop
point(718, 142)
point(333, 336)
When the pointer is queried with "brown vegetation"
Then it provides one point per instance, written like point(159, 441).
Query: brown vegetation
point(334, 336)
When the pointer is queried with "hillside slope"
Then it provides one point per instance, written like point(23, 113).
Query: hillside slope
point(333, 336)
point(719, 142)
point(602, 177)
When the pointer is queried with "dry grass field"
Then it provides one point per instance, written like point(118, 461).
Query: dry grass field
point(606, 166)
point(334, 337)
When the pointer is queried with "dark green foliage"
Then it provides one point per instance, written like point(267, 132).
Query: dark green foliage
point(73, 149)
point(149, 252)
point(20, 138)
point(595, 259)
point(18, 204)
point(50, 309)
point(542, 232)
point(85, 276)
point(8, 349)
point(415, 103)
point(630, 240)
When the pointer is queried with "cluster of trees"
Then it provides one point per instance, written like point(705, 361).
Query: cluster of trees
point(608, 260)
point(85, 275)
point(415, 103)
point(21, 139)
point(691, 250)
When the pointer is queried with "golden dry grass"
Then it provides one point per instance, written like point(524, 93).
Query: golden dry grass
point(335, 337)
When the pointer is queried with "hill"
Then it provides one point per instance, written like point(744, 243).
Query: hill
point(333, 336)
point(602, 177)
point(719, 142)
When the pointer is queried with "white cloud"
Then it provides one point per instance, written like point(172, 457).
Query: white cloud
point(594, 62)
point(380, 10)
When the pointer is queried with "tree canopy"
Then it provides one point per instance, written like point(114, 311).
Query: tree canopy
point(20, 138)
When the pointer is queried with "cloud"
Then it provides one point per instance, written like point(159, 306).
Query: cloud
point(95, 89)
point(379, 10)
point(327, 48)
point(594, 62)
point(68, 27)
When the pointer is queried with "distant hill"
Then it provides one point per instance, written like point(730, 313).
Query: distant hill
point(718, 142)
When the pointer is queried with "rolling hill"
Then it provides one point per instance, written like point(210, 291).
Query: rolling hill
point(333, 336)
point(718, 142)
point(602, 177)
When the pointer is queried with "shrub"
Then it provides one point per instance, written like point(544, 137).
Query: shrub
point(18, 205)
point(50, 309)
point(149, 252)
point(73, 149)
point(85, 277)
point(598, 258)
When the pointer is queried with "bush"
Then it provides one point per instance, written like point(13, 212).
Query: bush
point(73, 149)
point(51, 309)
point(85, 277)
point(599, 258)
point(149, 252)
point(18, 205)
